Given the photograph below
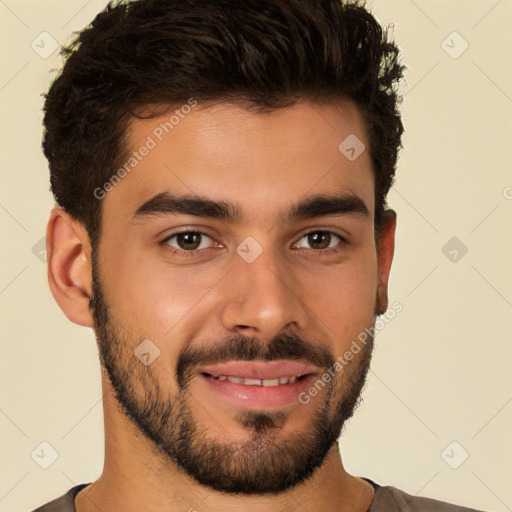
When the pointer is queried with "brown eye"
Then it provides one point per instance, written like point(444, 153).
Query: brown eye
point(188, 241)
point(320, 240)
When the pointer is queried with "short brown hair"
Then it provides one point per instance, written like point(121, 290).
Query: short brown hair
point(264, 54)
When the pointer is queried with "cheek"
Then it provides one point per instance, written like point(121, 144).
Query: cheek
point(345, 301)
point(170, 304)
point(151, 298)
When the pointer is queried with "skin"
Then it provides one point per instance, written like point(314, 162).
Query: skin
point(264, 163)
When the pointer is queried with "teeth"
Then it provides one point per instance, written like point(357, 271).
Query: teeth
point(251, 382)
point(258, 382)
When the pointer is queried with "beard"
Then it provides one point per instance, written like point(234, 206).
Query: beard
point(266, 463)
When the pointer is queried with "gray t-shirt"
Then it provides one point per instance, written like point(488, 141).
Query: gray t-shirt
point(386, 499)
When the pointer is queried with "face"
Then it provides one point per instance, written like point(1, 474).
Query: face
point(237, 262)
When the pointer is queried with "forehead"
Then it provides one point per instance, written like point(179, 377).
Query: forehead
point(260, 160)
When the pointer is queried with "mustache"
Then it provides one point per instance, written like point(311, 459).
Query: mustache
point(242, 348)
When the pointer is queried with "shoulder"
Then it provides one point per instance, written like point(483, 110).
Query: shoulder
point(390, 499)
point(66, 503)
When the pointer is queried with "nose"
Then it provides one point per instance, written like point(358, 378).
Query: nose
point(265, 299)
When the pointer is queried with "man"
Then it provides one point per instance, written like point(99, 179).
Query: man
point(221, 170)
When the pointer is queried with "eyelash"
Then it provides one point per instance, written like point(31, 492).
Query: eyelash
point(194, 252)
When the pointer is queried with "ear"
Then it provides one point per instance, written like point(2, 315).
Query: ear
point(385, 250)
point(68, 253)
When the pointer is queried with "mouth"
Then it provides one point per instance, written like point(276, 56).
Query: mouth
point(257, 385)
point(280, 381)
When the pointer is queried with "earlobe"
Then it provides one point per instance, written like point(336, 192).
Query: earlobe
point(69, 266)
point(385, 251)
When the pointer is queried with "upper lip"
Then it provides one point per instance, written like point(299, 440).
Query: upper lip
point(259, 369)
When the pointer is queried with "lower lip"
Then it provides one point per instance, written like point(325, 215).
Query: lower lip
point(258, 397)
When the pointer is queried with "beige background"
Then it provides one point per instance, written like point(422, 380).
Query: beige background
point(442, 367)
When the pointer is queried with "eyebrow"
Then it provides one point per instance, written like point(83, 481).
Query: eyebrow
point(166, 203)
